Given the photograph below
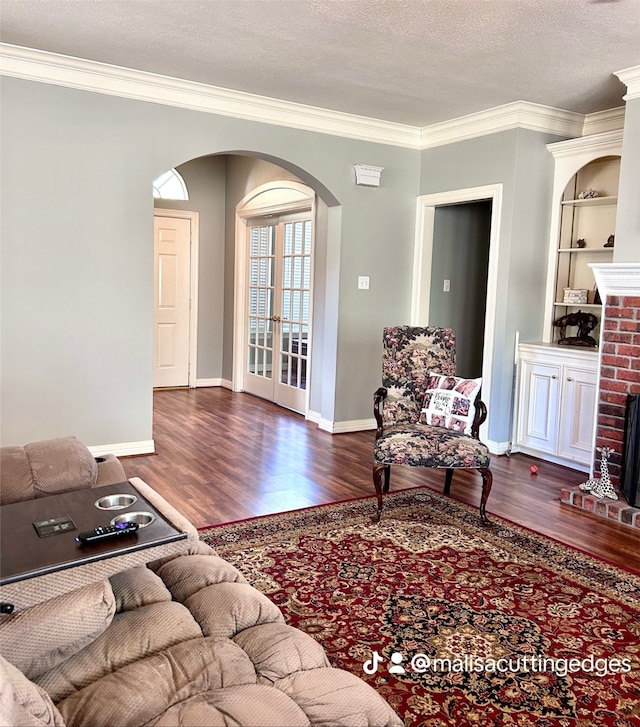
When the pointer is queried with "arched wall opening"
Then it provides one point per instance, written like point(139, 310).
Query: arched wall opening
point(217, 183)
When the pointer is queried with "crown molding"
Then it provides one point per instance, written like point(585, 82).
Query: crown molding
point(609, 142)
point(60, 70)
point(602, 121)
point(631, 79)
point(516, 115)
point(52, 68)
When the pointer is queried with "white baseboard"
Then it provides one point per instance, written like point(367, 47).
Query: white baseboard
point(497, 447)
point(124, 449)
point(225, 383)
point(354, 425)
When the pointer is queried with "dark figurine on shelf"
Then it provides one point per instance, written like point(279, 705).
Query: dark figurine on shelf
point(581, 242)
point(586, 322)
point(610, 240)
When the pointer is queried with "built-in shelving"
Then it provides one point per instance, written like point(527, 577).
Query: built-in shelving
point(590, 220)
point(591, 201)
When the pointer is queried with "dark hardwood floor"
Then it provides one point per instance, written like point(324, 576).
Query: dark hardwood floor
point(223, 456)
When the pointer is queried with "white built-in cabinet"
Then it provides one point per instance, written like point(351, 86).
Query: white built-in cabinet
point(557, 384)
point(557, 403)
point(587, 163)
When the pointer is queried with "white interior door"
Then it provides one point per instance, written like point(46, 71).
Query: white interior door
point(172, 293)
point(278, 324)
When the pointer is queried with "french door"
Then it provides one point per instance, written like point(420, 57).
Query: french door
point(278, 324)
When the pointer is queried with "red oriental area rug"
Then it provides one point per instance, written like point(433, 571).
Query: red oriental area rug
point(452, 623)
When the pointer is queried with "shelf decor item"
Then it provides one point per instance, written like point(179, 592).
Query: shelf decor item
point(610, 241)
point(586, 322)
point(581, 242)
point(588, 194)
point(596, 296)
point(575, 296)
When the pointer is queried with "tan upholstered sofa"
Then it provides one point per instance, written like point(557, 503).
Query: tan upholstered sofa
point(182, 640)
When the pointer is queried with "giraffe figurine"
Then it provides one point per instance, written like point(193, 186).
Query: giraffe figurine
point(601, 487)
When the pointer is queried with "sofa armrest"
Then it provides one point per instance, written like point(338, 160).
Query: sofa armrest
point(110, 470)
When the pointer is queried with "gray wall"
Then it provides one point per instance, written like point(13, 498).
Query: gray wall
point(461, 255)
point(77, 252)
point(518, 160)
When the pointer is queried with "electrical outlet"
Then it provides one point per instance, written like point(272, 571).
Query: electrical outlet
point(446, 288)
point(363, 282)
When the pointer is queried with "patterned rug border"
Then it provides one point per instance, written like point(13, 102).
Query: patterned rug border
point(587, 569)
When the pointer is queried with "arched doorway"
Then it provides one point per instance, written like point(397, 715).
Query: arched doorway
point(274, 293)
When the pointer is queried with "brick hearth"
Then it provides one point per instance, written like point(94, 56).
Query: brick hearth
point(618, 510)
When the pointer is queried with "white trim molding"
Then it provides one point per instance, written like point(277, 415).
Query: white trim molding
point(631, 79)
point(60, 70)
point(601, 121)
point(353, 425)
point(423, 253)
point(607, 143)
point(516, 115)
point(204, 383)
point(124, 449)
point(617, 278)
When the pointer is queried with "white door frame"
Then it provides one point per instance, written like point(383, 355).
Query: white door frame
point(280, 197)
point(193, 291)
point(422, 264)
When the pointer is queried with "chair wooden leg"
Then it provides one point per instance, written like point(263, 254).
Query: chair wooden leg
point(487, 481)
point(378, 469)
point(447, 481)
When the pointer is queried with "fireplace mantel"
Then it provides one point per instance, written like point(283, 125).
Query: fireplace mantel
point(617, 278)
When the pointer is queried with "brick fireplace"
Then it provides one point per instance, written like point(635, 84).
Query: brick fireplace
point(619, 287)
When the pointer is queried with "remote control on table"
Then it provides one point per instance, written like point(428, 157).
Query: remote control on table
point(107, 532)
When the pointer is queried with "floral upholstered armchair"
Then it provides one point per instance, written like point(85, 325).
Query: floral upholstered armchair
point(426, 416)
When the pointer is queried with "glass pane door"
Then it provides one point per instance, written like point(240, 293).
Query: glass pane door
point(279, 310)
point(261, 301)
point(296, 284)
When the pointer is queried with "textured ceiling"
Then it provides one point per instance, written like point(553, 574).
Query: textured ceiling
point(411, 61)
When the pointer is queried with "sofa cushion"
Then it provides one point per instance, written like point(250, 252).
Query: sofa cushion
point(180, 672)
point(60, 464)
point(137, 587)
point(278, 650)
point(15, 473)
point(225, 609)
point(188, 574)
point(41, 637)
point(331, 697)
point(22, 702)
point(132, 635)
point(248, 704)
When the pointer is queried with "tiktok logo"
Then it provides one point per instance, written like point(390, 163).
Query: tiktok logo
point(371, 666)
